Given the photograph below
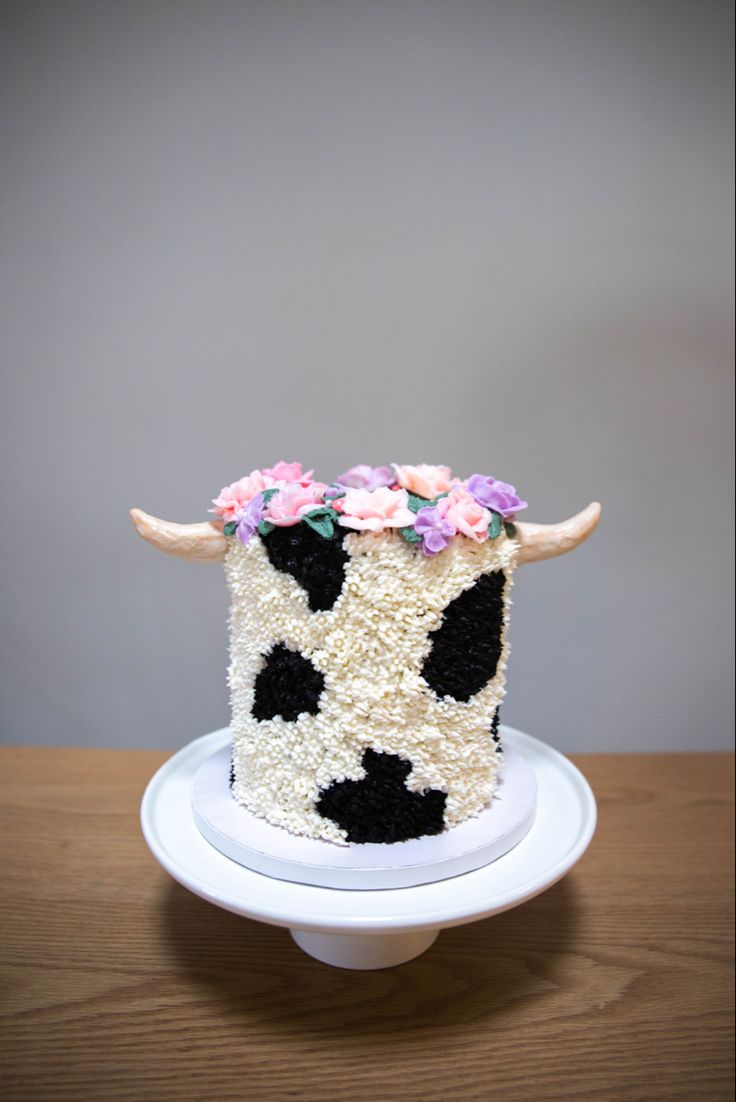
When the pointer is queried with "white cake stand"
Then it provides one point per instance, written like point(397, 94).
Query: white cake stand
point(375, 928)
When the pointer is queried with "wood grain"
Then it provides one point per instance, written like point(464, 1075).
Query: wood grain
point(117, 983)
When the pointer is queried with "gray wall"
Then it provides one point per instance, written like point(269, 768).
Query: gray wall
point(496, 235)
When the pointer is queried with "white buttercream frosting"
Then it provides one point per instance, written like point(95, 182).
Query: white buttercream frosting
point(370, 646)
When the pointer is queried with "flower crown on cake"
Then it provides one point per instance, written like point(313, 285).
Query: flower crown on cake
point(425, 503)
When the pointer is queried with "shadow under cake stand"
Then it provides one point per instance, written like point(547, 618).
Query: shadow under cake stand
point(369, 906)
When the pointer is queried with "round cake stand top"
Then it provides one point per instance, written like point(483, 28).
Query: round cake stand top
point(563, 827)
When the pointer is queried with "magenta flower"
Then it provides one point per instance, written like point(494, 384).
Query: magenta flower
point(364, 477)
point(436, 532)
point(249, 519)
point(492, 494)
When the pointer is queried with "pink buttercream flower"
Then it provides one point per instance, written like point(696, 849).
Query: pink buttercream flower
point(364, 477)
point(291, 503)
point(424, 479)
point(465, 514)
point(374, 510)
point(288, 472)
point(232, 500)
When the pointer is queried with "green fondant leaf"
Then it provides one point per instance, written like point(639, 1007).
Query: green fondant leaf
point(265, 527)
point(268, 494)
point(323, 526)
point(229, 528)
point(410, 535)
point(496, 526)
point(320, 511)
point(416, 502)
point(322, 520)
point(510, 529)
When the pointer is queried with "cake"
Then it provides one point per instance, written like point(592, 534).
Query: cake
point(368, 641)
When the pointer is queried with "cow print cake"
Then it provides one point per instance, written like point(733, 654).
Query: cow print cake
point(368, 641)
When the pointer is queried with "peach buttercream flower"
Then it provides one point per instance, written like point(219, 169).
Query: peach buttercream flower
point(424, 479)
point(374, 510)
point(293, 501)
point(232, 500)
point(465, 514)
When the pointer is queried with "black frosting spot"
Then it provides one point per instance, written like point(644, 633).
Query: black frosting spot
point(317, 564)
point(231, 778)
point(494, 729)
point(287, 686)
point(466, 646)
point(380, 808)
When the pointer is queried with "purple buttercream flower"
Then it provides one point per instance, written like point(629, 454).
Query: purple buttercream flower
point(495, 495)
point(365, 477)
point(249, 519)
point(436, 532)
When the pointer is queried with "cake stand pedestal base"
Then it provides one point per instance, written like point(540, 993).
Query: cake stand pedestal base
point(378, 927)
point(365, 951)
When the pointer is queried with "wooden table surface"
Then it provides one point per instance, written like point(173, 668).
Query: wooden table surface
point(117, 983)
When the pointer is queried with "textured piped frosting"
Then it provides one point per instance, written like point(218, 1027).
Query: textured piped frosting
point(362, 685)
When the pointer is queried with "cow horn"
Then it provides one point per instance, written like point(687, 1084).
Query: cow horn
point(544, 541)
point(198, 542)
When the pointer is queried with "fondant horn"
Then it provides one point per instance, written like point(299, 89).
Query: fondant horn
point(198, 542)
point(544, 541)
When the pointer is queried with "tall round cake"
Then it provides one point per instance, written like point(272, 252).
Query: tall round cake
point(368, 641)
